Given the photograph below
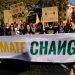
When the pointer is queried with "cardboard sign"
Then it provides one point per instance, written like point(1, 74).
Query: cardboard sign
point(50, 14)
point(8, 17)
point(18, 11)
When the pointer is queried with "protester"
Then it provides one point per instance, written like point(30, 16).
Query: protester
point(21, 29)
point(46, 27)
point(28, 29)
point(72, 27)
point(1, 31)
point(12, 29)
point(61, 29)
point(8, 31)
point(39, 28)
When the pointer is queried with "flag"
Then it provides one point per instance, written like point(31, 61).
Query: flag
point(37, 19)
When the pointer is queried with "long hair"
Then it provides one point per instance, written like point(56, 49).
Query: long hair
point(68, 25)
point(26, 30)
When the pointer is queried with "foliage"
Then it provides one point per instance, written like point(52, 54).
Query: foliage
point(62, 5)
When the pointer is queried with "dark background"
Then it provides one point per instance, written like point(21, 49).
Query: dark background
point(17, 67)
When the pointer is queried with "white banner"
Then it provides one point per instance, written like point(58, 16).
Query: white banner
point(58, 48)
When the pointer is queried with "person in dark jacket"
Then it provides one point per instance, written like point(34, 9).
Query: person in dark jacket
point(28, 29)
point(1, 31)
point(39, 28)
point(8, 31)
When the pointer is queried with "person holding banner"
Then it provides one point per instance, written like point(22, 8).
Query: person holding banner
point(12, 29)
point(70, 28)
point(28, 29)
point(39, 28)
point(1, 31)
point(21, 29)
point(70, 25)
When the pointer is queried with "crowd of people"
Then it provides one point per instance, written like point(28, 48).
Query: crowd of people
point(41, 28)
point(24, 28)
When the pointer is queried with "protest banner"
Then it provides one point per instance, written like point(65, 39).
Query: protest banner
point(18, 12)
point(8, 17)
point(50, 14)
point(58, 48)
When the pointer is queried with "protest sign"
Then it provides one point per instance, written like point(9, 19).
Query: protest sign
point(50, 14)
point(18, 12)
point(8, 17)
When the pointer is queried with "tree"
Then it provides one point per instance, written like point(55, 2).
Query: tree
point(61, 4)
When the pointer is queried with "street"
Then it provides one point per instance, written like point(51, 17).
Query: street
point(16, 67)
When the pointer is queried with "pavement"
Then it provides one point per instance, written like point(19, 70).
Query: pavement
point(17, 67)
